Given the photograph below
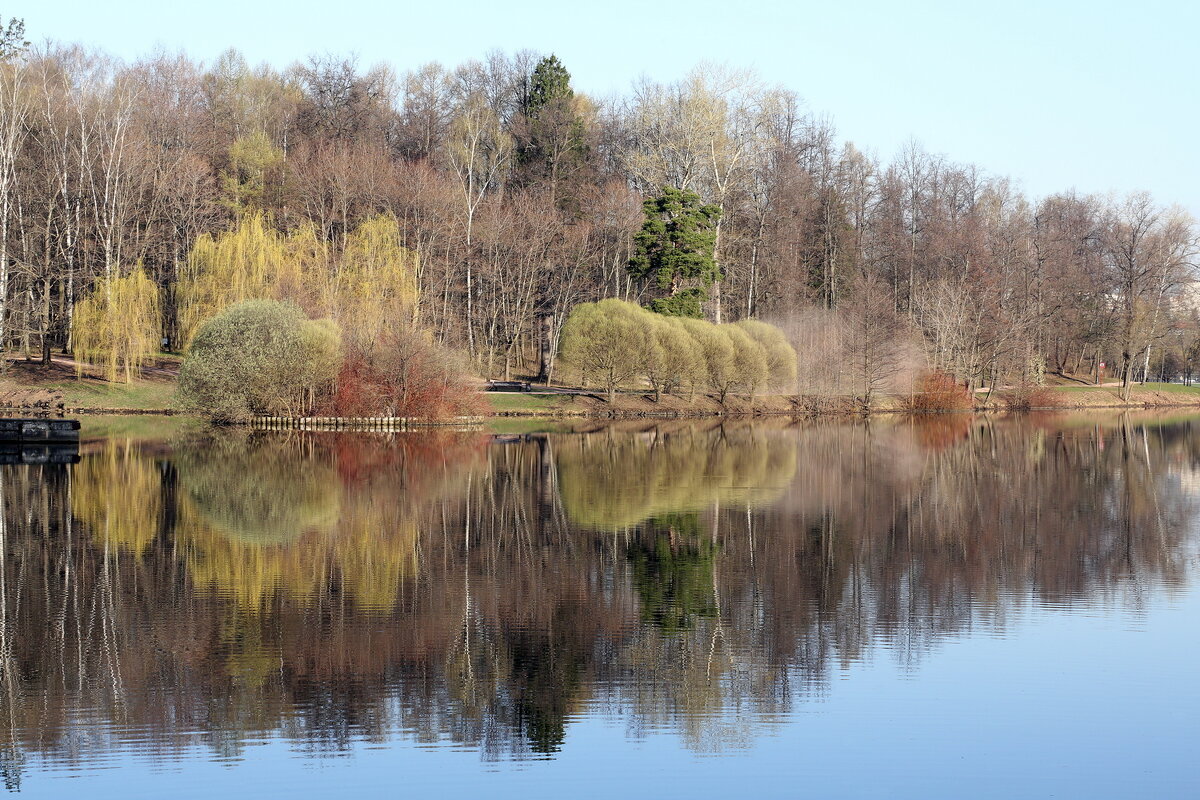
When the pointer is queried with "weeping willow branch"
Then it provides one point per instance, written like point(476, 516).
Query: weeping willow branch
point(117, 326)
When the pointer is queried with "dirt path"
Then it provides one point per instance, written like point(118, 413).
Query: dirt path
point(32, 373)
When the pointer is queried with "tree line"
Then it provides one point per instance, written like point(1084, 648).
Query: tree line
point(519, 198)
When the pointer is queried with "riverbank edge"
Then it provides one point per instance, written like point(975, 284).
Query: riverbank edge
point(639, 406)
point(830, 414)
point(615, 417)
point(626, 414)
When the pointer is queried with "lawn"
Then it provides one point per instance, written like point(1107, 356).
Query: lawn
point(1175, 388)
point(523, 401)
point(1168, 387)
point(141, 394)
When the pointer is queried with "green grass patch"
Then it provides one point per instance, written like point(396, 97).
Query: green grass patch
point(1171, 388)
point(141, 394)
point(1175, 388)
point(523, 401)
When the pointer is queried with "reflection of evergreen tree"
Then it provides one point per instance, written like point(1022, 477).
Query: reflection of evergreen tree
point(546, 672)
point(673, 572)
point(550, 662)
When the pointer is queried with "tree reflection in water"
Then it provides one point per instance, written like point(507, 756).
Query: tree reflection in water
point(334, 588)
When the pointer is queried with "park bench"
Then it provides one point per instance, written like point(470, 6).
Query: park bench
point(508, 386)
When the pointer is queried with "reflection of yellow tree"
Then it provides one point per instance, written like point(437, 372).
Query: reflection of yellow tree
point(375, 550)
point(610, 482)
point(249, 574)
point(264, 516)
point(116, 494)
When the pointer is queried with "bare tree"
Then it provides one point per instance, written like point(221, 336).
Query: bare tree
point(479, 151)
point(15, 109)
point(874, 338)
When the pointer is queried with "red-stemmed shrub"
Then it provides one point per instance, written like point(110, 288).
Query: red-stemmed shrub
point(1028, 397)
point(403, 374)
point(938, 391)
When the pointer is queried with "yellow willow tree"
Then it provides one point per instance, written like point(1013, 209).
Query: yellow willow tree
point(375, 286)
point(251, 262)
point(117, 326)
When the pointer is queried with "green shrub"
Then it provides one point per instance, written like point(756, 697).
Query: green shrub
point(749, 361)
point(615, 344)
point(259, 357)
point(781, 356)
point(718, 356)
point(606, 341)
point(673, 356)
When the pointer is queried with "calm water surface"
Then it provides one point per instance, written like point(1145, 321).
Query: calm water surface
point(949, 608)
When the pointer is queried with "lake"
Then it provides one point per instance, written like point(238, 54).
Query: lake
point(949, 607)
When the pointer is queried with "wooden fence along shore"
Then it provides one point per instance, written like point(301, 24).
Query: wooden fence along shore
point(381, 424)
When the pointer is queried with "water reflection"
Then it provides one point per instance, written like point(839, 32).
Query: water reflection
point(329, 589)
point(613, 480)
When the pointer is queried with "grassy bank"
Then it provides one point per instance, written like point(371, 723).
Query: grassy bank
point(643, 404)
point(141, 395)
point(36, 386)
point(528, 404)
point(1148, 395)
point(633, 404)
point(31, 383)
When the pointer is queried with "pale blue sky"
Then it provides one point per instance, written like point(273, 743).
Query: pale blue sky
point(1100, 96)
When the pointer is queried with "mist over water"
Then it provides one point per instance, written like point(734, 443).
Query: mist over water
point(673, 608)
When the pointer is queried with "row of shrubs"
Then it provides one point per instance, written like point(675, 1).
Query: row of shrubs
point(615, 344)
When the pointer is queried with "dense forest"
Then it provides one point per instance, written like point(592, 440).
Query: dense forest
point(516, 198)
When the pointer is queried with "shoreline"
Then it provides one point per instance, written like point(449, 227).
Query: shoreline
point(51, 400)
point(626, 414)
point(636, 414)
